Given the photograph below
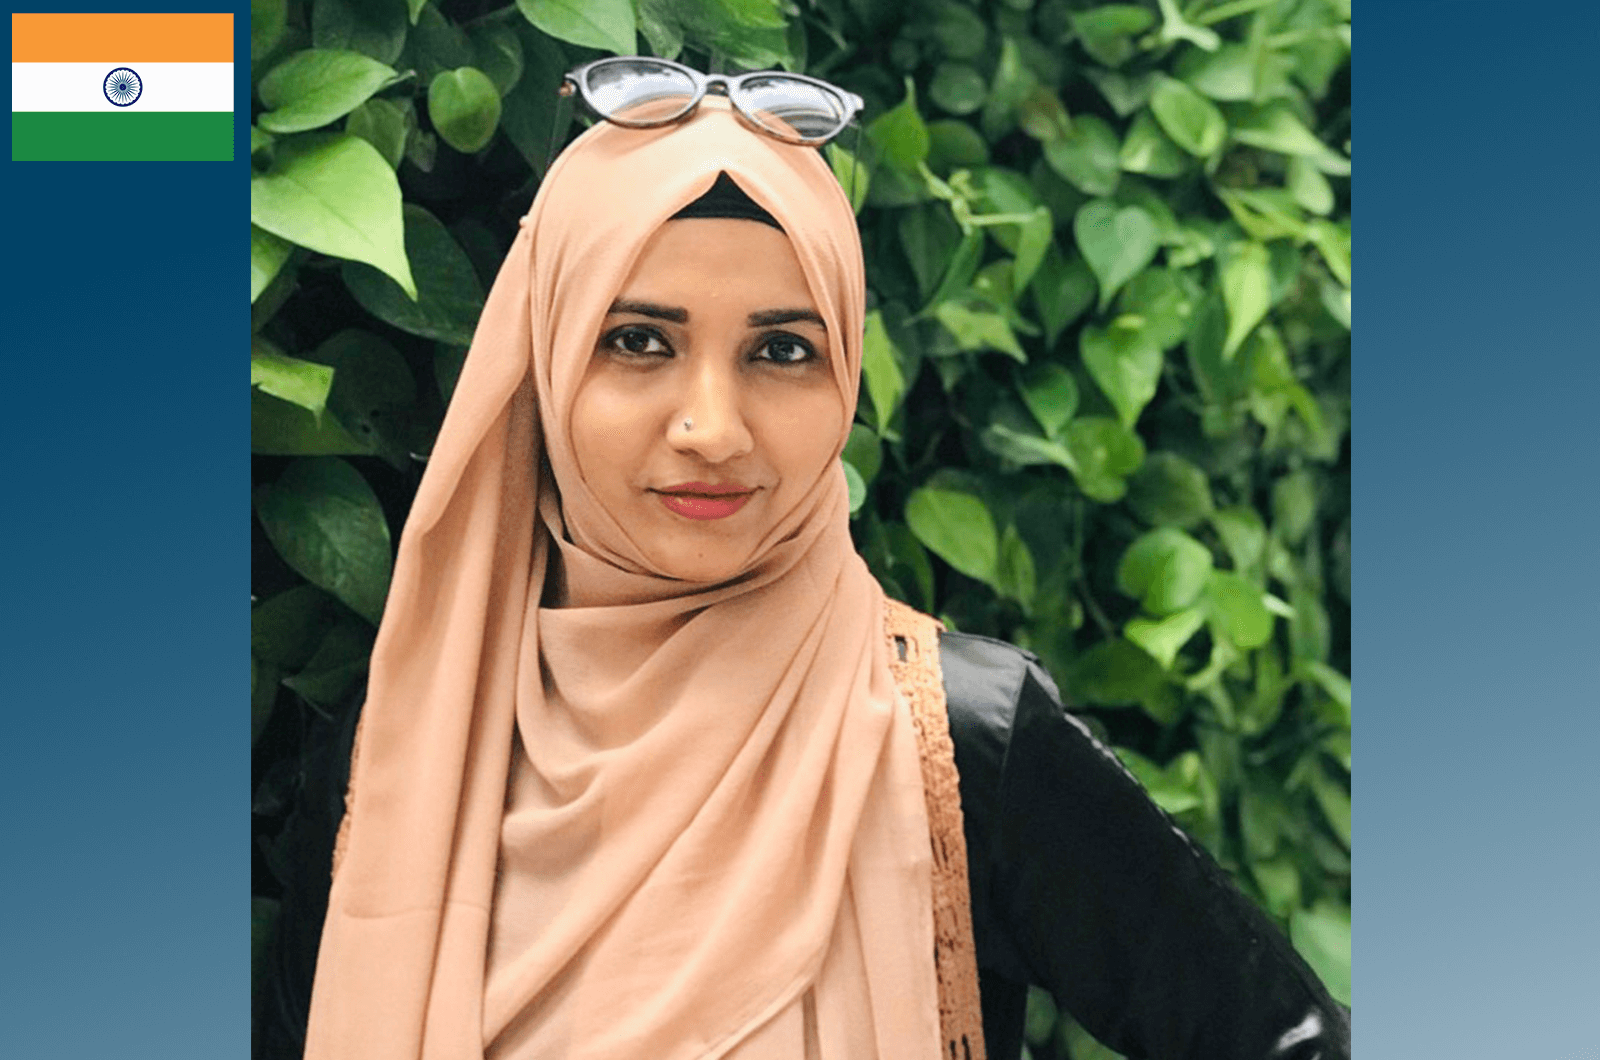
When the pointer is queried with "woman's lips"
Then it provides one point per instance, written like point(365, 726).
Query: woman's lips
point(702, 500)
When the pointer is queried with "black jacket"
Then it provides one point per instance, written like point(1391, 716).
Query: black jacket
point(1080, 885)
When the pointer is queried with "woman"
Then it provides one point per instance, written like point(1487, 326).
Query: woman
point(635, 776)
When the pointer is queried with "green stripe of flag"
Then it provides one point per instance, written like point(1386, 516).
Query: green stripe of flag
point(108, 136)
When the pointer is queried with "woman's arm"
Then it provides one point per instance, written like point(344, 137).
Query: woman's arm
point(1103, 900)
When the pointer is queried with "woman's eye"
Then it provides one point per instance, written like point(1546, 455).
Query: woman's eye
point(786, 349)
point(638, 342)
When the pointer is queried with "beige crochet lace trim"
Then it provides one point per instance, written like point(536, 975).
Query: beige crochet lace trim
point(914, 658)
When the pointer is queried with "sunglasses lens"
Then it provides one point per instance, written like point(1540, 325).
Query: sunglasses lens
point(791, 109)
point(638, 93)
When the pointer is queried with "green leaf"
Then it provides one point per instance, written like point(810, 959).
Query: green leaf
point(312, 88)
point(1107, 32)
point(978, 329)
point(604, 24)
point(264, 680)
point(1322, 935)
point(465, 108)
point(1042, 116)
point(1164, 301)
point(1325, 677)
point(1243, 536)
point(1229, 73)
point(956, 527)
point(375, 28)
point(900, 135)
point(1115, 673)
point(1062, 289)
point(1309, 187)
point(954, 145)
point(1174, 28)
point(1165, 569)
point(373, 393)
point(864, 450)
point(1246, 290)
point(447, 297)
point(279, 428)
point(880, 368)
point(1193, 122)
point(335, 195)
point(286, 629)
point(856, 485)
point(529, 110)
point(497, 52)
point(1125, 363)
point(929, 236)
point(958, 88)
point(267, 255)
point(1294, 506)
point(907, 554)
point(1015, 574)
point(1125, 93)
point(384, 125)
point(1236, 608)
point(1175, 789)
point(1117, 244)
point(1335, 803)
point(304, 383)
point(1275, 128)
point(1105, 454)
point(1024, 448)
point(852, 175)
point(1087, 156)
point(1164, 637)
point(339, 662)
point(1051, 394)
point(958, 274)
point(414, 9)
point(326, 523)
point(1033, 239)
point(1333, 243)
point(1169, 491)
point(1150, 151)
point(268, 19)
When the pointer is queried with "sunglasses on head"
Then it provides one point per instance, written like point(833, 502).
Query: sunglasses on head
point(640, 92)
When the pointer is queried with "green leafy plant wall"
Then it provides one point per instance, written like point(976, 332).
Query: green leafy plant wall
point(1107, 371)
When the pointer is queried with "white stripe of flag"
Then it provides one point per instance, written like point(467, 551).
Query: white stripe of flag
point(79, 86)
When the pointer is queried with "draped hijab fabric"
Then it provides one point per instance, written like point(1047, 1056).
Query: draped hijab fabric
point(598, 812)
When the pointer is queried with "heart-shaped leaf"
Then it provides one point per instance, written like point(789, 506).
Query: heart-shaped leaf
point(465, 108)
point(1163, 637)
point(1104, 454)
point(1192, 120)
point(900, 134)
point(1051, 394)
point(978, 329)
point(1237, 610)
point(375, 28)
point(956, 527)
point(448, 295)
point(1246, 280)
point(1086, 156)
point(1150, 151)
point(1117, 243)
point(1125, 363)
point(1062, 288)
point(1169, 491)
point(326, 523)
point(336, 195)
point(1165, 569)
point(958, 88)
point(313, 87)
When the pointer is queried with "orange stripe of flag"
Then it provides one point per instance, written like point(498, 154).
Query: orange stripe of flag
point(122, 38)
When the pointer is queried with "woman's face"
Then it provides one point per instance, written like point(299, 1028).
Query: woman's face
point(709, 407)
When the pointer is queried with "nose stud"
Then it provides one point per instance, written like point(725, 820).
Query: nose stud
point(688, 425)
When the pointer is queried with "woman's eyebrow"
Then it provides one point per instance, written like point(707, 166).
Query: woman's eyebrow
point(768, 317)
point(650, 309)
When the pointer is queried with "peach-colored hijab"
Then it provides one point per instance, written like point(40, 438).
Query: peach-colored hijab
point(600, 813)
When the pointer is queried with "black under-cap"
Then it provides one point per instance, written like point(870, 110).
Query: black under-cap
point(727, 199)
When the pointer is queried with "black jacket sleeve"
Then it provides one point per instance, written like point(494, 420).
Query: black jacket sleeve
point(1085, 887)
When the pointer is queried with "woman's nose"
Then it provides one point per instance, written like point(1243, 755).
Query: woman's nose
point(711, 420)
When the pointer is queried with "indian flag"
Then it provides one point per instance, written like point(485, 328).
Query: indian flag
point(119, 87)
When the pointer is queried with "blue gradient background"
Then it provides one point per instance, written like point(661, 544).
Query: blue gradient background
point(124, 762)
point(125, 759)
point(1477, 480)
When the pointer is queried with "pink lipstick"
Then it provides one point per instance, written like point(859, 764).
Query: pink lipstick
point(703, 500)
